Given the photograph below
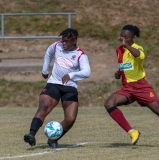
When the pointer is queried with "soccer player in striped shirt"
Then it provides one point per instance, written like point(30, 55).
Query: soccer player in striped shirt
point(71, 64)
point(135, 86)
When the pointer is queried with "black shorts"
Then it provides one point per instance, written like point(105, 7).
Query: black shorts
point(57, 91)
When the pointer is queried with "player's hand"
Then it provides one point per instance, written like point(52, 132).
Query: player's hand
point(117, 75)
point(45, 75)
point(65, 78)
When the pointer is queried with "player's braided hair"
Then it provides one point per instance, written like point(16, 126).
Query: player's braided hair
point(134, 29)
point(69, 33)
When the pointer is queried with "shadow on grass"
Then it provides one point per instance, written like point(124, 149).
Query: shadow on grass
point(103, 145)
point(45, 146)
point(120, 145)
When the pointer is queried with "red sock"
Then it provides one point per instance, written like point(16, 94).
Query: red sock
point(118, 116)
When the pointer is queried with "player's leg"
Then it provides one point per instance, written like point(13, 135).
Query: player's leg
point(70, 114)
point(70, 107)
point(154, 107)
point(46, 104)
point(111, 106)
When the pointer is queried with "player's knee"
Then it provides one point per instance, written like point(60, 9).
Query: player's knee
point(157, 111)
point(110, 110)
point(44, 106)
point(107, 105)
point(71, 120)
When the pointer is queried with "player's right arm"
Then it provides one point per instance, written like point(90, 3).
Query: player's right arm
point(50, 53)
point(136, 52)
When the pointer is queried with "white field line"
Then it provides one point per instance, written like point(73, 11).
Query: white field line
point(42, 153)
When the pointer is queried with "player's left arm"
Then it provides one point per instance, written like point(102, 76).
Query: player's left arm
point(84, 71)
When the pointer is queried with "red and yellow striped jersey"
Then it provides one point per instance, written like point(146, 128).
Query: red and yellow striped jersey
point(131, 68)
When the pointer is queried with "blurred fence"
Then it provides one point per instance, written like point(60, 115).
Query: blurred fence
point(69, 14)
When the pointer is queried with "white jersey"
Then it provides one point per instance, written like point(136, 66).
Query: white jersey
point(74, 63)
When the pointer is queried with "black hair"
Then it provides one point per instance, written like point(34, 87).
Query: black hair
point(134, 29)
point(69, 33)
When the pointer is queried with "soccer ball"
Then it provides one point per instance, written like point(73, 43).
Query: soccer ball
point(53, 130)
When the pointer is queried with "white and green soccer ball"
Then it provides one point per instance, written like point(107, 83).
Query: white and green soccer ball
point(53, 130)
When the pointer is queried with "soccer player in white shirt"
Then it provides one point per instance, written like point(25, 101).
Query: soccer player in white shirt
point(71, 64)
